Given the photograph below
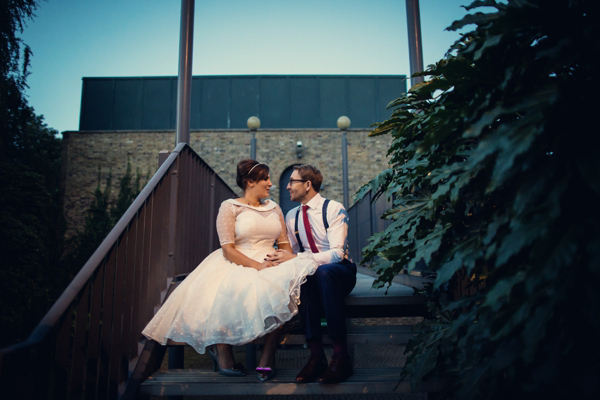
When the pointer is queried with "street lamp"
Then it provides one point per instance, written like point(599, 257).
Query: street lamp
point(343, 123)
point(253, 124)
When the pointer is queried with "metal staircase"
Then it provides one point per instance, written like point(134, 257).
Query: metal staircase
point(377, 333)
point(88, 345)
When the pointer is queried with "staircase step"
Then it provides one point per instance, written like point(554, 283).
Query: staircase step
point(189, 382)
point(399, 334)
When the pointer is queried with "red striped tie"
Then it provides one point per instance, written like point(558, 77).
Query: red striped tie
point(309, 236)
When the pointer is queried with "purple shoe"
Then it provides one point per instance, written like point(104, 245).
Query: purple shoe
point(265, 373)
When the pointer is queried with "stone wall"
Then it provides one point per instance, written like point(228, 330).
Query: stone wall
point(90, 157)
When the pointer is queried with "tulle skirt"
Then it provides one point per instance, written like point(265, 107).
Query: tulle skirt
point(222, 302)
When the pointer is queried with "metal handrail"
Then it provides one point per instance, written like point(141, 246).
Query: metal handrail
point(83, 345)
point(60, 306)
point(365, 221)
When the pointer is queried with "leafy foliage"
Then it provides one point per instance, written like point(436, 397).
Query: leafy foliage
point(495, 182)
point(30, 210)
point(101, 217)
point(14, 63)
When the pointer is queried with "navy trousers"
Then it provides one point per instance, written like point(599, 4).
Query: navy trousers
point(324, 293)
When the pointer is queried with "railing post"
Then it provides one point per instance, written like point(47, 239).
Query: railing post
point(176, 357)
point(211, 231)
point(162, 157)
point(173, 216)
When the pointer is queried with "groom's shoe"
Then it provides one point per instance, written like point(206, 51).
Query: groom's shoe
point(338, 371)
point(312, 370)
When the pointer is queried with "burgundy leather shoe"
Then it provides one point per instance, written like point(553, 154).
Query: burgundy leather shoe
point(312, 370)
point(340, 369)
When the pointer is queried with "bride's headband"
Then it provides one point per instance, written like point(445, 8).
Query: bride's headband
point(255, 165)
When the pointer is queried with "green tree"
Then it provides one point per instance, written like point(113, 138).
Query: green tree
point(494, 177)
point(129, 188)
point(14, 62)
point(100, 219)
point(30, 212)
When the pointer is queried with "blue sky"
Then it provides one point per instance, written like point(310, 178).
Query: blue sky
point(72, 39)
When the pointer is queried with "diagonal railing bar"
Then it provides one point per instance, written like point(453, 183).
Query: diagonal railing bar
point(85, 346)
point(366, 220)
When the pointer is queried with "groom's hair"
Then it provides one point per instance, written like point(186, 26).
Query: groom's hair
point(312, 174)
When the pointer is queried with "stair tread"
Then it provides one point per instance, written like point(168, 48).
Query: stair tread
point(195, 382)
point(356, 335)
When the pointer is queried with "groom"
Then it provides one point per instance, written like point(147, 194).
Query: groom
point(318, 229)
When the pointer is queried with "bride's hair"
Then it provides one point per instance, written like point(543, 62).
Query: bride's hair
point(250, 171)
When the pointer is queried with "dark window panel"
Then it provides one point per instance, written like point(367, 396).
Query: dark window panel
point(157, 104)
point(389, 89)
point(332, 101)
point(96, 104)
point(363, 110)
point(274, 102)
point(304, 102)
point(215, 103)
point(244, 101)
point(196, 104)
point(128, 104)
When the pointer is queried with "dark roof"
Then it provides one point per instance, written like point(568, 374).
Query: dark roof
point(226, 102)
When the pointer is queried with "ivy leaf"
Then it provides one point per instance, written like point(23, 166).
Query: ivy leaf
point(425, 363)
point(477, 18)
point(534, 331)
point(494, 182)
point(427, 246)
point(501, 290)
point(493, 228)
point(376, 185)
point(447, 271)
point(490, 42)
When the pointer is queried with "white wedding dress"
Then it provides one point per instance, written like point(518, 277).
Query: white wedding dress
point(222, 302)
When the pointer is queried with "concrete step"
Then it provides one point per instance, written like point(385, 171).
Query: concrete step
point(191, 382)
point(399, 334)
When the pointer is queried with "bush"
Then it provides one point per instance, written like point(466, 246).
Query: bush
point(494, 176)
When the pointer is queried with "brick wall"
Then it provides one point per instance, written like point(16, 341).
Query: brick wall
point(89, 158)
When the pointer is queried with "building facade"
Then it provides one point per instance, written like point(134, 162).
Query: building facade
point(132, 119)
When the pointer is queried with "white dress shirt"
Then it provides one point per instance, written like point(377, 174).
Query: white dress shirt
point(332, 244)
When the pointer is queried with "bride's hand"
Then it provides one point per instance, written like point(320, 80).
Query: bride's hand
point(280, 256)
point(266, 264)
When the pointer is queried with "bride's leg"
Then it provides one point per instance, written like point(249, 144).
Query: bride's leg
point(225, 354)
point(268, 354)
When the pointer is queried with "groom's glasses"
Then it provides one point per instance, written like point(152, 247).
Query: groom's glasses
point(296, 180)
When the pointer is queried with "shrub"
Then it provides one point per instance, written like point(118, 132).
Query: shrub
point(494, 176)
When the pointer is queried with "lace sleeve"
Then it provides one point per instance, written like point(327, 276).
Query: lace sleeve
point(226, 223)
point(283, 238)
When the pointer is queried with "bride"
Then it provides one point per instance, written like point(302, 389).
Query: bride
point(234, 296)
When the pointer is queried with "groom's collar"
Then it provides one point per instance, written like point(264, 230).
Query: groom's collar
point(314, 202)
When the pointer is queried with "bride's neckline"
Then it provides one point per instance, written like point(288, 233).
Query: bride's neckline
point(268, 204)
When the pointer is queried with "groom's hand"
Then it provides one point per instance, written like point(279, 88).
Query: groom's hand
point(280, 256)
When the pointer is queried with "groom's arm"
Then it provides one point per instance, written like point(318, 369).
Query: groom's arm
point(337, 236)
